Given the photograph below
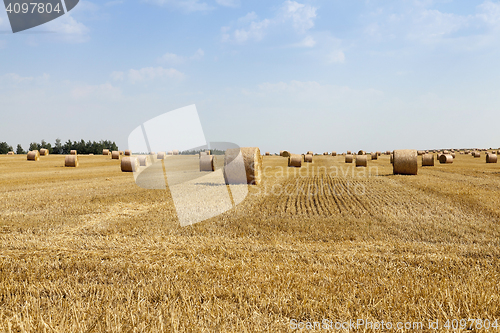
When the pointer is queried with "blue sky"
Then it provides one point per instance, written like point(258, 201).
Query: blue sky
point(305, 75)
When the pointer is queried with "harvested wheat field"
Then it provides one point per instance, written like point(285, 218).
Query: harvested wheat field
point(86, 250)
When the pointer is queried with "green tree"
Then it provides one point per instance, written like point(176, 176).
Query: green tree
point(20, 150)
point(58, 148)
point(5, 148)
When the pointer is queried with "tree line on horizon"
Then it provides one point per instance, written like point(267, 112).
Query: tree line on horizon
point(82, 147)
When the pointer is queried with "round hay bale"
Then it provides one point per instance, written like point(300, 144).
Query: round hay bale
point(10, 153)
point(170, 152)
point(243, 166)
point(308, 158)
point(374, 156)
point(391, 158)
point(491, 158)
point(121, 152)
point(309, 153)
point(71, 161)
point(91, 154)
point(143, 160)
point(203, 153)
point(161, 155)
point(115, 155)
point(498, 152)
point(405, 162)
point(379, 153)
point(175, 152)
point(268, 153)
point(127, 152)
point(105, 152)
point(281, 153)
point(44, 152)
point(427, 160)
point(286, 153)
point(361, 152)
point(294, 160)
point(73, 152)
point(361, 161)
point(453, 155)
point(445, 159)
point(207, 163)
point(348, 152)
point(334, 153)
point(325, 153)
point(476, 154)
point(348, 158)
point(388, 152)
point(129, 164)
point(33, 155)
point(420, 152)
point(152, 153)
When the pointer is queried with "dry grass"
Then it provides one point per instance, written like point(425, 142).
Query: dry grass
point(86, 250)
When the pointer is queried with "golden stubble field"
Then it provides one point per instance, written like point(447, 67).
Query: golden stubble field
point(86, 250)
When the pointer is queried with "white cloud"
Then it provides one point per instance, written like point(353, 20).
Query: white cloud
point(249, 28)
point(187, 5)
point(306, 42)
point(172, 59)
point(16, 79)
point(336, 57)
point(106, 91)
point(147, 74)
point(198, 55)
point(228, 3)
point(301, 15)
point(66, 28)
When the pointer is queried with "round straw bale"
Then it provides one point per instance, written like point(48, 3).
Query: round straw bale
point(325, 153)
point(238, 159)
point(121, 152)
point(207, 163)
point(44, 152)
point(349, 152)
point(286, 153)
point(445, 159)
point(152, 153)
point(453, 155)
point(388, 152)
point(405, 162)
point(420, 152)
point(127, 152)
point(361, 161)
point(105, 152)
point(476, 154)
point(308, 158)
point(175, 152)
point(143, 160)
point(491, 158)
point(10, 153)
point(281, 152)
point(268, 153)
point(33, 155)
point(334, 153)
point(71, 161)
point(374, 156)
point(129, 164)
point(427, 160)
point(391, 157)
point(309, 153)
point(91, 154)
point(115, 155)
point(161, 155)
point(379, 153)
point(294, 160)
point(73, 152)
point(361, 152)
point(202, 153)
point(498, 152)
point(348, 158)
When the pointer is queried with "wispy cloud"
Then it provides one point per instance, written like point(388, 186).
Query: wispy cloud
point(147, 74)
point(249, 28)
point(228, 3)
point(106, 91)
point(175, 59)
point(186, 5)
